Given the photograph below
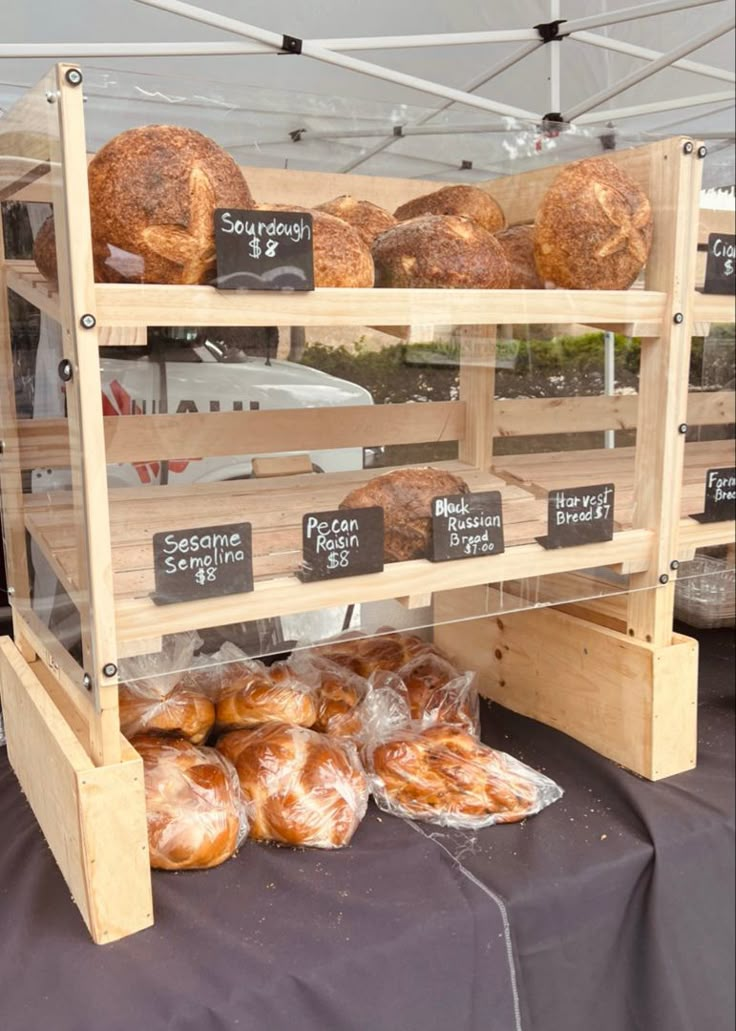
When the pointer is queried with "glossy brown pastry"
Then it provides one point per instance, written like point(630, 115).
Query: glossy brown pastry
point(179, 713)
point(469, 201)
point(44, 251)
point(153, 193)
point(303, 788)
point(593, 229)
point(406, 495)
point(445, 775)
point(196, 816)
point(442, 252)
point(438, 693)
point(518, 246)
point(273, 694)
point(368, 219)
point(338, 695)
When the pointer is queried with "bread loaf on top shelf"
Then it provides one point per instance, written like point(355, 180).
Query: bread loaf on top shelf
point(469, 201)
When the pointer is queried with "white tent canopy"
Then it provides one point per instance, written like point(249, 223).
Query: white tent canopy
point(668, 67)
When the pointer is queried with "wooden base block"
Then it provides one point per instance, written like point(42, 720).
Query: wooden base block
point(93, 817)
point(630, 701)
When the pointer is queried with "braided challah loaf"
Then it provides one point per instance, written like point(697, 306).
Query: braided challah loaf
point(261, 694)
point(303, 788)
point(196, 815)
point(445, 776)
point(180, 712)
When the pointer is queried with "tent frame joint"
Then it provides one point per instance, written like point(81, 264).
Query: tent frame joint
point(549, 32)
point(291, 45)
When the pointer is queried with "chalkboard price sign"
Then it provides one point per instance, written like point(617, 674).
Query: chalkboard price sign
point(720, 496)
point(204, 563)
point(344, 542)
point(720, 264)
point(579, 515)
point(263, 250)
point(467, 526)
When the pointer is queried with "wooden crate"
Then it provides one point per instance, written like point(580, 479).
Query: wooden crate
point(98, 540)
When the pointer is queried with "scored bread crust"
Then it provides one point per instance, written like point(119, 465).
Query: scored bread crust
point(153, 193)
point(470, 201)
point(441, 252)
point(367, 218)
point(593, 229)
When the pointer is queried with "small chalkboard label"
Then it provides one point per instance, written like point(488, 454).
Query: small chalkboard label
point(208, 562)
point(344, 542)
point(720, 264)
point(720, 496)
point(467, 525)
point(264, 250)
point(579, 515)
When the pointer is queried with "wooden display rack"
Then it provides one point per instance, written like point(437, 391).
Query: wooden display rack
point(623, 683)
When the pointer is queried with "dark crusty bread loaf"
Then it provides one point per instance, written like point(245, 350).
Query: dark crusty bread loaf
point(405, 495)
point(44, 251)
point(593, 229)
point(441, 251)
point(367, 218)
point(469, 201)
point(153, 193)
point(518, 246)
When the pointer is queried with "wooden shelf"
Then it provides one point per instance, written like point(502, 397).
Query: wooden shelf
point(708, 308)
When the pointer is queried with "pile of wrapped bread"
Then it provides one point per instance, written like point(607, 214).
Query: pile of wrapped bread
point(298, 747)
point(153, 193)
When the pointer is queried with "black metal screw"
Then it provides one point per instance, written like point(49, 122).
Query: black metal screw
point(674, 564)
point(688, 147)
point(87, 681)
point(109, 669)
point(664, 579)
point(2, 447)
point(682, 428)
point(679, 318)
point(65, 370)
point(702, 152)
point(73, 76)
point(88, 321)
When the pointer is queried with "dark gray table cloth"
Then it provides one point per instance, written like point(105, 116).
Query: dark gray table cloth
point(613, 910)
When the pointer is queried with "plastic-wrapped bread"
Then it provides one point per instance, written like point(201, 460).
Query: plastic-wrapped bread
point(440, 252)
point(153, 192)
point(405, 495)
point(438, 693)
point(593, 229)
point(368, 219)
point(440, 773)
point(194, 808)
point(255, 694)
point(469, 201)
point(303, 788)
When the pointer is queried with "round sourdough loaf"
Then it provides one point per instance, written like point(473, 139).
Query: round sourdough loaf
point(367, 218)
point(593, 229)
point(518, 246)
point(153, 192)
point(442, 251)
point(44, 251)
point(341, 258)
point(469, 201)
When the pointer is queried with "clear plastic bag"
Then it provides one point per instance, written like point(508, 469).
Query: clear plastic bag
point(438, 693)
point(253, 693)
point(155, 696)
point(441, 774)
point(197, 816)
point(303, 788)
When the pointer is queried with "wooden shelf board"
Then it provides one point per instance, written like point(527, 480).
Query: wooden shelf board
point(129, 305)
point(24, 278)
point(707, 308)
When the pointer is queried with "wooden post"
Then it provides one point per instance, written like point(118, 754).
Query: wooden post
point(477, 387)
point(663, 384)
point(86, 436)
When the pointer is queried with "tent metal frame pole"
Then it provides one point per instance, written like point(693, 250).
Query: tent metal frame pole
point(555, 101)
point(277, 42)
point(234, 47)
point(595, 118)
point(627, 14)
point(474, 84)
point(645, 73)
point(632, 50)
